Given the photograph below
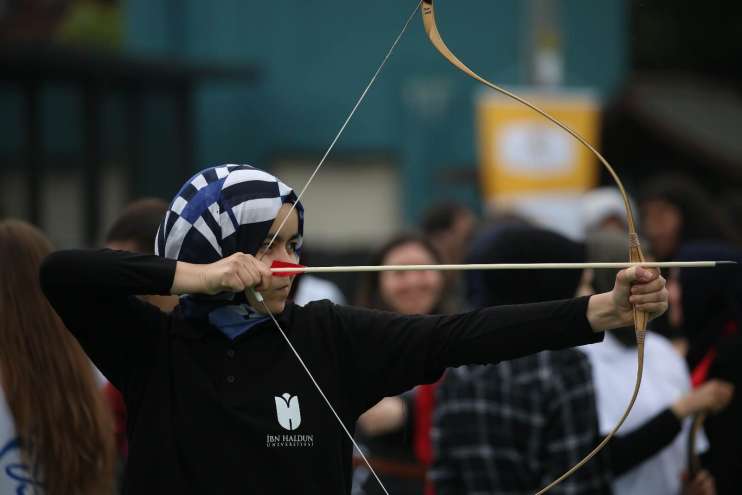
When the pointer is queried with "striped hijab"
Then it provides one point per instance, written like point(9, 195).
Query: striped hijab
point(218, 212)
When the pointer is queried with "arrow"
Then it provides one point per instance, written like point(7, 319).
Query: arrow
point(285, 269)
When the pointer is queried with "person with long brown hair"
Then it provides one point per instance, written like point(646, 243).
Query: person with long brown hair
point(56, 436)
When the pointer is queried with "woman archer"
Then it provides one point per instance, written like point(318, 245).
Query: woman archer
point(218, 402)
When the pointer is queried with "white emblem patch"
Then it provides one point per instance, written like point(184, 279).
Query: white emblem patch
point(287, 411)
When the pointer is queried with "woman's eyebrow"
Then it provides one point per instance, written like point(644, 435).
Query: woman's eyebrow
point(280, 237)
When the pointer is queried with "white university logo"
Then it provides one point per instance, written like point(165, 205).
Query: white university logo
point(287, 411)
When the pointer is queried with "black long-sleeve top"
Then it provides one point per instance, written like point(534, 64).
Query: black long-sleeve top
point(211, 415)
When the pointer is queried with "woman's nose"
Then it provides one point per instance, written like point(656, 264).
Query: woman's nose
point(414, 278)
point(283, 254)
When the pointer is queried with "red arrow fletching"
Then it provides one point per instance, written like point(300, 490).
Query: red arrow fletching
point(285, 264)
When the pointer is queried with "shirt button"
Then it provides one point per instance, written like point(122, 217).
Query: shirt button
point(230, 379)
point(230, 353)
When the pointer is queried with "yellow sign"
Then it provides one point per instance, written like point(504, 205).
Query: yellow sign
point(522, 153)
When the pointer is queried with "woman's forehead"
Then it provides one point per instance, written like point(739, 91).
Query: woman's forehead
point(291, 225)
point(408, 250)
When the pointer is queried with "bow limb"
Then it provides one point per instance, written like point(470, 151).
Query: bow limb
point(635, 252)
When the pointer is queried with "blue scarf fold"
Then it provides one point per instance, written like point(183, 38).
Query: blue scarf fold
point(232, 320)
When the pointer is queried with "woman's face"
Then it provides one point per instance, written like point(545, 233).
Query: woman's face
point(662, 222)
point(410, 292)
point(285, 248)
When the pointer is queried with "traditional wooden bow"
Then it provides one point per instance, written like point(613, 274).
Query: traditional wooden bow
point(635, 252)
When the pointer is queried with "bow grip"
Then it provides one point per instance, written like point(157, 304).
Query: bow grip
point(640, 317)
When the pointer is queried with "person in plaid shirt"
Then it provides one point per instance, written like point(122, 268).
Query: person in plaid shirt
point(513, 427)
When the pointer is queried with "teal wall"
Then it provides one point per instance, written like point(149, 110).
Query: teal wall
point(314, 59)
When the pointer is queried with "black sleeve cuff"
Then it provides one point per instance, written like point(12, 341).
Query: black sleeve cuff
point(579, 333)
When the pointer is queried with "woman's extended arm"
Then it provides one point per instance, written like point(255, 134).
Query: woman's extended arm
point(389, 353)
point(385, 354)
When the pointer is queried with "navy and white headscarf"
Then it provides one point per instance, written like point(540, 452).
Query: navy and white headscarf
point(221, 211)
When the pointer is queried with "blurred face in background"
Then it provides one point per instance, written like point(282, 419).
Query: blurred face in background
point(411, 292)
point(452, 243)
point(613, 223)
point(661, 223)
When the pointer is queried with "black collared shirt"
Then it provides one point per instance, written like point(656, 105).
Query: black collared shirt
point(210, 415)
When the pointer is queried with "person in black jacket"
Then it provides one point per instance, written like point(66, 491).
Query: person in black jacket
point(217, 400)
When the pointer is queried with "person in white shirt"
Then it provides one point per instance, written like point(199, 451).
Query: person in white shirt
point(665, 393)
point(313, 288)
point(659, 422)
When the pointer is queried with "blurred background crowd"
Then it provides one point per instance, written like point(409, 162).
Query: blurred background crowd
point(109, 105)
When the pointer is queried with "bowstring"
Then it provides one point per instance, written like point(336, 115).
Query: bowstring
point(293, 207)
point(327, 401)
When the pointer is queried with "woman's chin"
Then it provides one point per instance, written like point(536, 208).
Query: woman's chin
point(413, 309)
point(274, 300)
